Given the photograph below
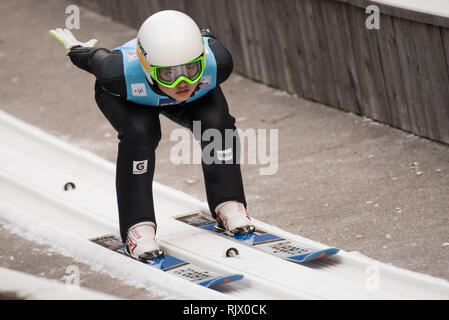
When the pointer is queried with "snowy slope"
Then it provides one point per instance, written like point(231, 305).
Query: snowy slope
point(434, 7)
point(35, 166)
point(35, 288)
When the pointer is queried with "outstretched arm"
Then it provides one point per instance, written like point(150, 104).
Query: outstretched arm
point(107, 66)
point(67, 39)
point(83, 54)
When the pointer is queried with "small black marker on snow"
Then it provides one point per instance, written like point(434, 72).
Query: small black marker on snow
point(232, 252)
point(69, 186)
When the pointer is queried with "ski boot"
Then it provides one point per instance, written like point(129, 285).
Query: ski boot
point(233, 219)
point(140, 242)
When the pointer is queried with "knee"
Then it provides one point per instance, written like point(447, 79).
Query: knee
point(141, 131)
point(213, 112)
point(217, 121)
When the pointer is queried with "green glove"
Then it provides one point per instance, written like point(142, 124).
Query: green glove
point(69, 41)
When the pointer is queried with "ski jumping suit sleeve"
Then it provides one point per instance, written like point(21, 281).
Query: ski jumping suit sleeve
point(139, 132)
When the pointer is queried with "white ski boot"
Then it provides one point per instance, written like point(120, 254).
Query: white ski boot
point(140, 242)
point(233, 219)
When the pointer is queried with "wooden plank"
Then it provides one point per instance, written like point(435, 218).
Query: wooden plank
point(271, 44)
point(337, 71)
point(321, 50)
point(360, 57)
point(433, 79)
point(249, 24)
point(291, 43)
point(346, 21)
point(341, 57)
point(280, 25)
point(221, 26)
point(305, 51)
point(116, 11)
point(370, 71)
point(445, 39)
point(439, 80)
point(380, 107)
point(143, 13)
point(325, 55)
point(310, 53)
point(445, 43)
point(397, 11)
point(318, 72)
point(427, 108)
point(317, 52)
point(131, 13)
point(199, 11)
point(97, 6)
point(261, 55)
point(295, 53)
point(236, 41)
point(410, 74)
point(157, 5)
point(245, 65)
point(395, 90)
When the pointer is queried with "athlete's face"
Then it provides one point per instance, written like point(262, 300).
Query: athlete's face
point(181, 92)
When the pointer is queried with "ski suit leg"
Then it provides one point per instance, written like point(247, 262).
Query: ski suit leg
point(223, 179)
point(139, 133)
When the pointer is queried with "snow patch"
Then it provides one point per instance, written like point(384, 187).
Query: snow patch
point(434, 7)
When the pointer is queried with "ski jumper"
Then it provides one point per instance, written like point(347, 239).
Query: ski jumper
point(132, 105)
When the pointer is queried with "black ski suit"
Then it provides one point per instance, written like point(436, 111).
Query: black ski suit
point(139, 132)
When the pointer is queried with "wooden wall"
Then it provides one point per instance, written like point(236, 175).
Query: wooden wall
point(321, 50)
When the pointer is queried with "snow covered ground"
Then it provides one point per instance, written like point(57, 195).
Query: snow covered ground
point(434, 7)
point(19, 285)
point(35, 166)
point(343, 180)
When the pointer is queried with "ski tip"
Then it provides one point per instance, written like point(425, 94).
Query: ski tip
point(305, 257)
point(222, 280)
point(321, 254)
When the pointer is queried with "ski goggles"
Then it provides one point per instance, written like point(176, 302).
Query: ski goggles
point(170, 77)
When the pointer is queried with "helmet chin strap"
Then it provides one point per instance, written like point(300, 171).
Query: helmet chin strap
point(153, 86)
point(147, 76)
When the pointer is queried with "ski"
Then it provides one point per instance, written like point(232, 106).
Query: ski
point(263, 241)
point(173, 265)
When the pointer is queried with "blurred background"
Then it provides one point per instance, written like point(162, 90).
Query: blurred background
point(324, 51)
point(362, 112)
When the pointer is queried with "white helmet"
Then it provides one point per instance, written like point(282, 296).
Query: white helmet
point(168, 38)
